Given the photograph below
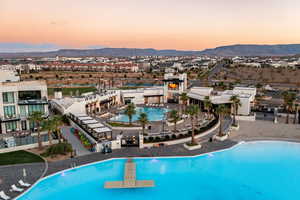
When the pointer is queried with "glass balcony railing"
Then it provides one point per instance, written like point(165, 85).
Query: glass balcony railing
point(10, 117)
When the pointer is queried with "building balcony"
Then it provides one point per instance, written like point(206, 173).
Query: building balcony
point(33, 102)
point(7, 118)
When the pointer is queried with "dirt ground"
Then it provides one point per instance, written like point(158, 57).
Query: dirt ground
point(261, 75)
point(49, 159)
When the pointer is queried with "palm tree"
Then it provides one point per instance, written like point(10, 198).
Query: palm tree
point(192, 110)
point(174, 118)
point(208, 105)
point(289, 99)
point(49, 125)
point(296, 111)
point(236, 102)
point(221, 111)
point(184, 99)
point(37, 119)
point(143, 119)
point(58, 122)
point(130, 111)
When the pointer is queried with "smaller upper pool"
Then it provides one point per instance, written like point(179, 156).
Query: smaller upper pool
point(154, 114)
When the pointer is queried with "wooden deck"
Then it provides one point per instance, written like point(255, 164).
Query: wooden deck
point(129, 179)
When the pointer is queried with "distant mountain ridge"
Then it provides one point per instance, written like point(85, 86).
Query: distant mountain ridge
point(232, 50)
point(254, 50)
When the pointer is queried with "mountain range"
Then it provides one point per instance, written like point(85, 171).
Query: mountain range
point(231, 50)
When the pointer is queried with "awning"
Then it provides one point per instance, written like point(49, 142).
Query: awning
point(102, 130)
point(79, 115)
point(84, 118)
point(93, 121)
point(93, 126)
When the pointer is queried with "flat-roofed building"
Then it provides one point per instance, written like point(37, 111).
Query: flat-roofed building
point(246, 95)
point(18, 100)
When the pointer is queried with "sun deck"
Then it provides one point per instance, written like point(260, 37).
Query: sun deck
point(129, 179)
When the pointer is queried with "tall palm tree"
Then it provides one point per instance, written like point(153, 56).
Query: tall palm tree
point(236, 102)
point(289, 100)
point(184, 99)
point(296, 111)
point(221, 111)
point(37, 119)
point(174, 118)
point(58, 122)
point(49, 125)
point(130, 111)
point(208, 105)
point(193, 110)
point(143, 119)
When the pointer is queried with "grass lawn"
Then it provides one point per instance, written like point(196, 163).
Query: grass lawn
point(18, 157)
point(68, 91)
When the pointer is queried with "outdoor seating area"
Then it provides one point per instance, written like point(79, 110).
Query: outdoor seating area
point(15, 189)
point(92, 126)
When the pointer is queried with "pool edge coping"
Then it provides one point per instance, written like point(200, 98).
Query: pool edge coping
point(153, 157)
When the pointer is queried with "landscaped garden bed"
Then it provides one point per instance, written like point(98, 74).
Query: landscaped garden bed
point(121, 124)
point(83, 139)
point(175, 136)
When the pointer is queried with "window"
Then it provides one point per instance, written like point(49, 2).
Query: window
point(24, 125)
point(23, 111)
point(9, 111)
point(35, 108)
point(32, 125)
point(11, 126)
point(8, 97)
point(27, 95)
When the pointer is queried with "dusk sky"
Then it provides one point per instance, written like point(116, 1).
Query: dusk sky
point(160, 24)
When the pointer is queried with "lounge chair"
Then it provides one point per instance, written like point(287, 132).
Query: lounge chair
point(21, 182)
point(16, 189)
point(4, 196)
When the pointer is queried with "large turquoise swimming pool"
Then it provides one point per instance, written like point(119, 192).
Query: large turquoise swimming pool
point(153, 114)
point(249, 171)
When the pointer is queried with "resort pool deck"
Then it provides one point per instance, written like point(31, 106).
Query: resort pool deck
point(253, 170)
point(154, 114)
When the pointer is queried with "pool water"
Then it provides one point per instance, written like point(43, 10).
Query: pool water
point(249, 171)
point(154, 114)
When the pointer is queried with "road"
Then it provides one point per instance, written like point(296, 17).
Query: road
point(216, 69)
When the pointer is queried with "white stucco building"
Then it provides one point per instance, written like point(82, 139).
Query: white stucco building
point(17, 101)
point(245, 94)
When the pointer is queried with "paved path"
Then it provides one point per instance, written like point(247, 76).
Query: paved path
point(11, 174)
point(261, 129)
point(73, 140)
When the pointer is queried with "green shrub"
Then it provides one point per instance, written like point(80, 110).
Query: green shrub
point(58, 149)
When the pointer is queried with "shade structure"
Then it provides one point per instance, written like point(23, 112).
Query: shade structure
point(97, 125)
point(85, 118)
point(92, 121)
point(102, 130)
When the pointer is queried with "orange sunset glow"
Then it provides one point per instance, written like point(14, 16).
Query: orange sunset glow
point(160, 24)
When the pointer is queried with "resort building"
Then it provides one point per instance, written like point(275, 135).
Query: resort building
point(8, 76)
point(154, 95)
point(18, 101)
point(246, 95)
point(174, 85)
point(89, 103)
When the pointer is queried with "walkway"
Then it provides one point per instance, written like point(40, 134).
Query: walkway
point(129, 178)
point(11, 174)
point(73, 140)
